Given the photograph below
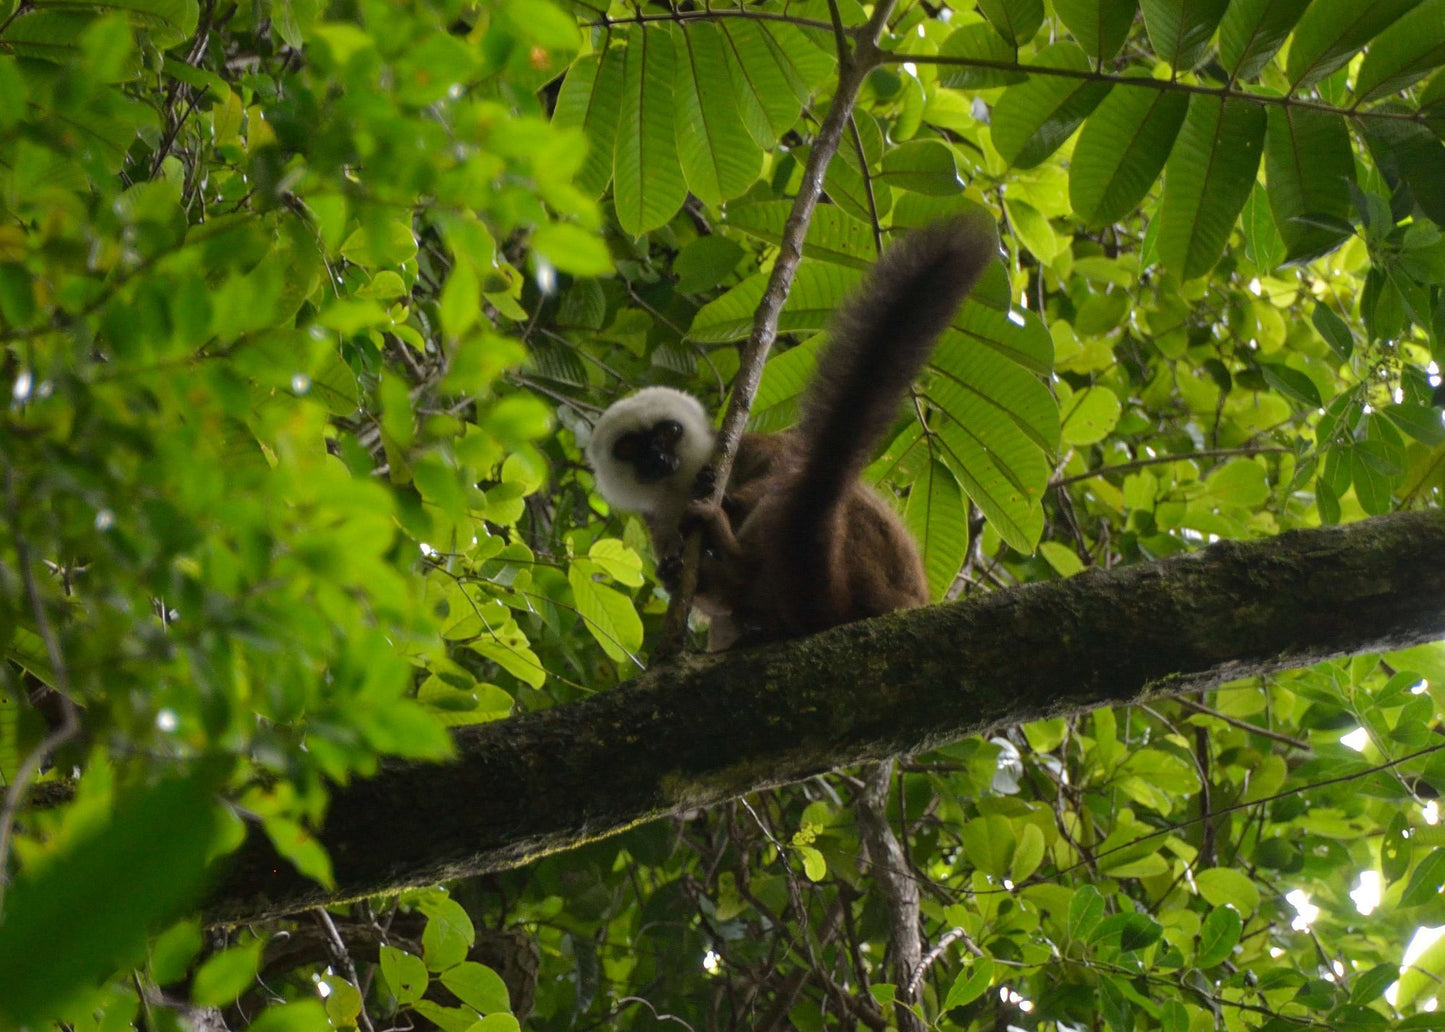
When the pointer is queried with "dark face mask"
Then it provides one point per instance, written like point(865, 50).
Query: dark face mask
point(651, 453)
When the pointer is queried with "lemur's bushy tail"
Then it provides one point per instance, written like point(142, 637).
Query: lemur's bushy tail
point(880, 339)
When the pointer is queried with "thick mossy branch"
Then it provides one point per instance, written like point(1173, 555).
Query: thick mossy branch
point(709, 728)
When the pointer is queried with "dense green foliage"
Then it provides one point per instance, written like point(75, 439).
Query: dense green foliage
point(305, 306)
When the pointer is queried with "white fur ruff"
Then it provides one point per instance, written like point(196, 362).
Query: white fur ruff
point(617, 481)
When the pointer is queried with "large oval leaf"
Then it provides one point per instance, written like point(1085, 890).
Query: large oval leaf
point(1100, 26)
point(762, 86)
point(1207, 180)
point(833, 235)
point(1404, 53)
point(591, 100)
point(648, 186)
point(1308, 167)
point(1016, 20)
point(1252, 31)
point(938, 517)
point(1331, 31)
point(978, 42)
point(1032, 119)
point(1180, 29)
point(1121, 151)
point(817, 290)
point(719, 157)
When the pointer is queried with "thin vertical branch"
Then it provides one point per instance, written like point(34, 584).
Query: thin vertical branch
point(898, 887)
point(853, 69)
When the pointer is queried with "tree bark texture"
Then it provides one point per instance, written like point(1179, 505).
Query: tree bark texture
point(708, 728)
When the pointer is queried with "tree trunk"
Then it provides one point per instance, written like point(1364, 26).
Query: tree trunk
point(709, 728)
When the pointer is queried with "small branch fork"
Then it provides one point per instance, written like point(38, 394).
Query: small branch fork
point(854, 67)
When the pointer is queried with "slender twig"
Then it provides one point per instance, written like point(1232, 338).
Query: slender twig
point(69, 723)
point(896, 883)
point(1156, 460)
point(931, 957)
point(1243, 725)
point(343, 957)
point(1171, 85)
point(710, 15)
point(854, 69)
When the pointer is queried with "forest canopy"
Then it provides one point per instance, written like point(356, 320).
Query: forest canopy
point(307, 308)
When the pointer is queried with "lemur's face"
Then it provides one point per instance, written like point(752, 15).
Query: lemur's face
point(646, 449)
point(651, 451)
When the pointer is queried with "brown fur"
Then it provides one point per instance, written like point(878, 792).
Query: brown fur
point(874, 561)
point(799, 543)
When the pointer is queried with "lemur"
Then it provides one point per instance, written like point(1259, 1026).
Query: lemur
point(799, 543)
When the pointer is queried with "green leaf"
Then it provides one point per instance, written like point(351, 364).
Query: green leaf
point(343, 1002)
point(704, 263)
point(609, 615)
point(405, 974)
point(1180, 30)
point(1309, 166)
point(572, 249)
point(296, 844)
point(1331, 31)
point(1404, 53)
point(1028, 854)
point(785, 377)
point(1016, 20)
point(174, 950)
point(479, 987)
point(448, 1019)
point(111, 871)
point(924, 166)
point(1333, 329)
point(1292, 384)
point(591, 100)
point(1252, 31)
point(497, 1023)
point(303, 1016)
point(448, 934)
point(648, 185)
point(1086, 910)
point(1063, 559)
point(998, 422)
point(1121, 151)
point(978, 41)
point(1221, 885)
point(1100, 26)
point(1118, 1012)
point(1032, 231)
point(817, 291)
point(1425, 881)
point(719, 158)
point(1410, 153)
point(1090, 416)
point(1422, 422)
point(938, 519)
point(969, 984)
point(814, 866)
point(1207, 180)
point(1368, 986)
point(1032, 119)
point(1218, 936)
point(987, 842)
point(833, 235)
point(760, 85)
point(226, 975)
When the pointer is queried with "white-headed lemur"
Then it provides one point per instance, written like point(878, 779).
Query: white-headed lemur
point(799, 543)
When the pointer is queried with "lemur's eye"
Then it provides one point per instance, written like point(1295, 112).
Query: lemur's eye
point(668, 431)
point(628, 446)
